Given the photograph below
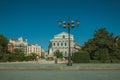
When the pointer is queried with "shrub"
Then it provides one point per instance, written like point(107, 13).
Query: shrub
point(95, 61)
point(81, 57)
point(115, 61)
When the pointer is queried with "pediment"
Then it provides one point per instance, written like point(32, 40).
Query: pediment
point(63, 35)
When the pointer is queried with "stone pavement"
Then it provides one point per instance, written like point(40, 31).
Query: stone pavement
point(59, 75)
point(50, 65)
point(48, 70)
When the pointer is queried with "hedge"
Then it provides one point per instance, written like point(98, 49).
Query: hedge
point(81, 57)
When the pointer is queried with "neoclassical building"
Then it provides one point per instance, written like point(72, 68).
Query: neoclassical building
point(60, 42)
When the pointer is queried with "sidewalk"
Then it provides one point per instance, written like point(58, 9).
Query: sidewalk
point(41, 61)
point(50, 65)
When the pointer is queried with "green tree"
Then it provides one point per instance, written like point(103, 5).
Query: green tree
point(30, 57)
point(101, 46)
point(3, 43)
point(116, 54)
point(58, 54)
point(102, 55)
point(3, 47)
point(17, 55)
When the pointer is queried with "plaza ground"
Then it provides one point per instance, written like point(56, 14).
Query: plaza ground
point(50, 65)
point(59, 75)
point(51, 71)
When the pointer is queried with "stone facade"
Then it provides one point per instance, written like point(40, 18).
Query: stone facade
point(60, 42)
point(33, 48)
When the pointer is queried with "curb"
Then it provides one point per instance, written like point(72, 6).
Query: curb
point(61, 68)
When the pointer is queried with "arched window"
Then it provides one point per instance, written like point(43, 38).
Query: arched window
point(54, 44)
point(57, 44)
point(61, 44)
point(65, 44)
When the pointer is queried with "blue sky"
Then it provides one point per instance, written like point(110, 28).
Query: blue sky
point(36, 20)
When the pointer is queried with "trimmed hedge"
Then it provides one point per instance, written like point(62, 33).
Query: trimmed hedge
point(115, 61)
point(95, 61)
point(81, 57)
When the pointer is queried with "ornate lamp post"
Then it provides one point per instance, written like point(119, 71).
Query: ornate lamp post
point(69, 24)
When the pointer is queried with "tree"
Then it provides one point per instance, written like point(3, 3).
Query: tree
point(90, 47)
point(3, 43)
point(102, 55)
point(101, 46)
point(58, 55)
point(3, 47)
point(17, 55)
point(117, 48)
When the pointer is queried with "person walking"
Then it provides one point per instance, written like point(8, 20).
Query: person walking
point(37, 58)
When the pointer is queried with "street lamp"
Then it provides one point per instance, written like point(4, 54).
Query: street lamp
point(69, 24)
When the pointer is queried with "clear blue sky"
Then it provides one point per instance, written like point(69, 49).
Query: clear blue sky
point(36, 20)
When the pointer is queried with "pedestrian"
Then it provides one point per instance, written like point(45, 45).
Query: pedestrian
point(56, 60)
point(37, 58)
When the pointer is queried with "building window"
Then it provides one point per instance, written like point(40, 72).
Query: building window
point(63, 36)
point(61, 44)
point(65, 44)
point(57, 44)
point(54, 44)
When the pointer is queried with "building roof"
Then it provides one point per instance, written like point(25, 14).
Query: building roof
point(62, 35)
